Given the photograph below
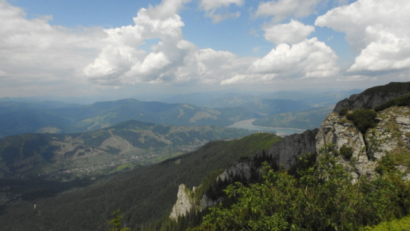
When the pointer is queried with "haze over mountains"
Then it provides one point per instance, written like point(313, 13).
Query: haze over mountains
point(19, 116)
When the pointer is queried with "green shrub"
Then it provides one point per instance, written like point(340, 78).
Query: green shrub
point(399, 101)
point(394, 225)
point(386, 165)
point(363, 119)
point(322, 198)
point(343, 111)
point(346, 152)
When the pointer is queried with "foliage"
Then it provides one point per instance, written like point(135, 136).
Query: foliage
point(144, 194)
point(323, 198)
point(394, 225)
point(399, 101)
point(363, 119)
point(385, 165)
point(343, 111)
point(116, 222)
point(346, 152)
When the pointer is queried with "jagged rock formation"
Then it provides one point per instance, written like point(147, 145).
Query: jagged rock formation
point(286, 151)
point(183, 205)
point(390, 136)
point(340, 131)
point(372, 97)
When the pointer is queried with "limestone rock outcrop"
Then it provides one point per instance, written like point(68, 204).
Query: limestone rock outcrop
point(183, 205)
point(390, 136)
point(286, 151)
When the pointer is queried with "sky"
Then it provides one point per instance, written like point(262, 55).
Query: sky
point(121, 48)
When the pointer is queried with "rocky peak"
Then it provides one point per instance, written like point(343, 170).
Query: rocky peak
point(372, 97)
point(390, 136)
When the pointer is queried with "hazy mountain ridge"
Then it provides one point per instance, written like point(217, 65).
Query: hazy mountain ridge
point(307, 119)
point(30, 154)
point(19, 120)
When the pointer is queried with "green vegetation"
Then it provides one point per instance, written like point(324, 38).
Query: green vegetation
point(394, 225)
point(135, 141)
point(307, 119)
point(363, 119)
point(399, 101)
point(143, 194)
point(346, 152)
point(322, 198)
point(343, 111)
point(116, 222)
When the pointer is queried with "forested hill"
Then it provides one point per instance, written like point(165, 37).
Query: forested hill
point(143, 194)
point(46, 154)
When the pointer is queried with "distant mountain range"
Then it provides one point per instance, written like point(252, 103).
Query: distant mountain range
point(143, 194)
point(32, 154)
point(232, 99)
point(307, 119)
point(48, 117)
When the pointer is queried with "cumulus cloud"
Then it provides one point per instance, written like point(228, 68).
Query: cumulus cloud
point(282, 9)
point(307, 59)
point(172, 59)
point(290, 33)
point(33, 50)
point(377, 29)
point(213, 9)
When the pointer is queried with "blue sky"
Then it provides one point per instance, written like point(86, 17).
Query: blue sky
point(121, 48)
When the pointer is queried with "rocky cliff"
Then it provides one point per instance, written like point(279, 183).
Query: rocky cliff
point(183, 205)
point(372, 97)
point(390, 136)
point(286, 151)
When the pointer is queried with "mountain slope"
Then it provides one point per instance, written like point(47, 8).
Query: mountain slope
point(30, 154)
point(143, 194)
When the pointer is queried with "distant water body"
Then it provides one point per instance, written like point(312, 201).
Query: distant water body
point(247, 124)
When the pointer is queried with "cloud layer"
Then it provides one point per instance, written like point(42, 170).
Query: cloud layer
point(290, 33)
point(377, 29)
point(214, 9)
point(33, 50)
point(282, 9)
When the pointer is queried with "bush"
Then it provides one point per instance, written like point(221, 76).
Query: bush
point(399, 101)
point(343, 111)
point(363, 119)
point(399, 225)
point(322, 198)
point(346, 152)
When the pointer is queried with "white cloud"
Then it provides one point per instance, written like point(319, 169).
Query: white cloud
point(291, 33)
point(377, 29)
point(173, 59)
point(213, 9)
point(282, 9)
point(33, 50)
point(3, 73)
point(307, 59)
point(215, 4)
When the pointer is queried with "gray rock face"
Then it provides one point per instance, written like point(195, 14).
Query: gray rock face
point(373, 97)
point(242, 169)
point(390, 136)
point(183, 204)
point(291, 147)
